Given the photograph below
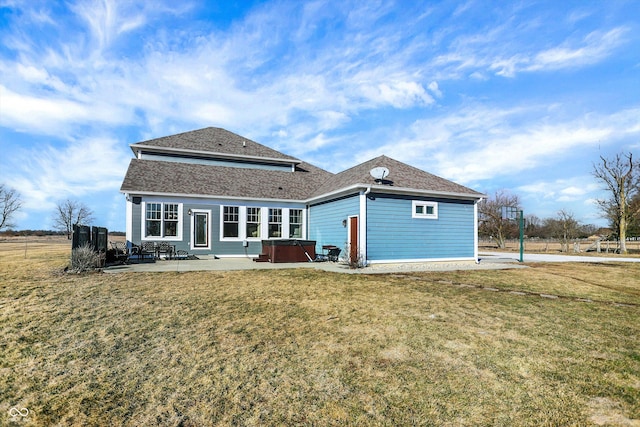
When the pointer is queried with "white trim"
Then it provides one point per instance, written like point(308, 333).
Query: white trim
point(192, 239)
point(327, 196)
point(241, 221)
point(425, 204)
point(129, 219)
point(414, 260)
point(209, 197)
point(362, 227)
point(264, 222)
point(382, 189)
point(475, 231)
point(143, 221)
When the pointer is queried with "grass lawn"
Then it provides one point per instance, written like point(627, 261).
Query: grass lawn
point(307, 347)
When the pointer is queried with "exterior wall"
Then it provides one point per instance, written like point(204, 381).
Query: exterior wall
point(393, 233)
point(325, 221)
point(240, 246)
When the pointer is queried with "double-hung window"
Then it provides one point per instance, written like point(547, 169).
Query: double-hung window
point(275, 222)
point(295, 223)
point(253, 222)
point(161, 220)
point(230, 221)
point(426, 210)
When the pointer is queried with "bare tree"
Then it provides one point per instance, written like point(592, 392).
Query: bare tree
point(564, 227)
point(69, 213)
point(9, 203)
point(621, 177)
point(491, 218)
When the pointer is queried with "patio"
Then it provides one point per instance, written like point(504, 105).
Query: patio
point(230, 264)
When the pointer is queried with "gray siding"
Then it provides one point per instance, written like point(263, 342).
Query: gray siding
point(392, 233)
point(217, 247)
point(136, 232)
point(325, 221)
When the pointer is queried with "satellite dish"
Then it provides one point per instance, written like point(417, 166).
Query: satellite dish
point(379, 173)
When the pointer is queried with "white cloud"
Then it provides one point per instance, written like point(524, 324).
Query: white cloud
point(46, 175)
point(594, 48)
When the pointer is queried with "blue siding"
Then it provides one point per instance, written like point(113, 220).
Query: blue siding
point(325, 221)
point(392, 233)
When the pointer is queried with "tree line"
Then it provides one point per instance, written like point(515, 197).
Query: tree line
point(619, 175)
point(67, 213)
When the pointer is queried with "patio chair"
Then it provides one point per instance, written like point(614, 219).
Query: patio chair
point(333, 254)
point(120, 251)
point(166, 249)
point(145, 249)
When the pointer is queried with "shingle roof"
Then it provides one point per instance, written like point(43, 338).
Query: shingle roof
point(215, 140)
point(401, 175)
point(307, 182)
point(153, 176)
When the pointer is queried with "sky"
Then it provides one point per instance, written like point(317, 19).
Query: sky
point(523, 96)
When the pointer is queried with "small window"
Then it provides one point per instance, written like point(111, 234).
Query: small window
point(253, 222)
point(275, 222)
point(295, 223)
point(428, 210)
point(231, 223)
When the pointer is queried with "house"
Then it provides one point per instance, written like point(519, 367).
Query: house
point(212, 192)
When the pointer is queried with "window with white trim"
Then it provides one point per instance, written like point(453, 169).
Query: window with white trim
point(275, 222)
point(295, 223)
point(425, 210)
point(161, 220)
point(230, 221)
point(253, 222)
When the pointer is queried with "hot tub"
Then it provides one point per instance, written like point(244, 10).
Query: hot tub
point(288, 250)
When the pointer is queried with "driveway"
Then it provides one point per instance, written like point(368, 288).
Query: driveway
point(494, 256)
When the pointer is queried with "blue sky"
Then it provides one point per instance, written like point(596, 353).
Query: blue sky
point(523, 95)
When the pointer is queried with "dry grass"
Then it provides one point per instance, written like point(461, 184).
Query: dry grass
point(314, 348)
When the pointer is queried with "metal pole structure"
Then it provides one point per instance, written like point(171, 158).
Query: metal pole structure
point(521, 236)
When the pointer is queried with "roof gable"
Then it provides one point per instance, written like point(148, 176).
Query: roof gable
point(401, 175)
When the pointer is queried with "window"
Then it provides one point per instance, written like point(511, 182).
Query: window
point(427, 210)
point(275, 222)
point(253, 222)
point(170, 220)
point(231, 224)
point(295, 223)
point(161, 220)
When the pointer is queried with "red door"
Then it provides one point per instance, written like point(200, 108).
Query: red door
point(353, 239)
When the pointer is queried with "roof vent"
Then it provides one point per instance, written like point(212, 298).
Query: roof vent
point(378, 173)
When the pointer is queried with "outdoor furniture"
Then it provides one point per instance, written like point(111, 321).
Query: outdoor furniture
point(333, 254)
point(166, 249)
point(145, 249)
point(120, 251)
point(181, 254)
point(330, 252)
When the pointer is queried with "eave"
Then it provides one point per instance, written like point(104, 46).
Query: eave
point(394, 190)
point(138, 148)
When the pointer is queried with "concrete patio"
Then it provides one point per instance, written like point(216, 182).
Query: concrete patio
point(231, 264)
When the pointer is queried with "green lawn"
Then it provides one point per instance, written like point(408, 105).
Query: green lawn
point(313, 348)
